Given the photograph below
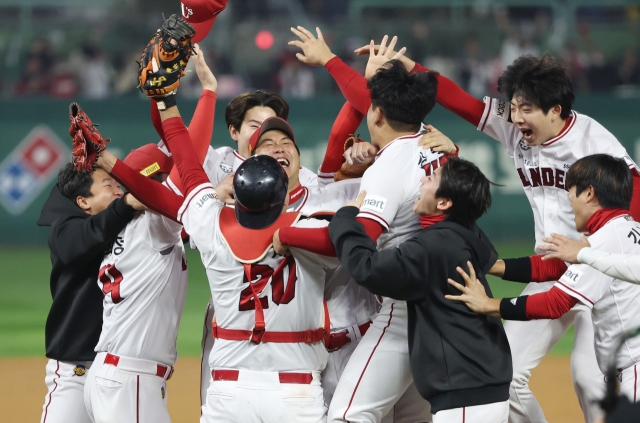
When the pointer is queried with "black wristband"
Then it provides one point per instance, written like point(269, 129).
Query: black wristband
point(517, 269)
point(514, 308)
point(166, 102)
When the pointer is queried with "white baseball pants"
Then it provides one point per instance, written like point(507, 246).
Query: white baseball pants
point(117, 394)
point(260, 397)
point(630, 383)
point(64, 402)
point(377, 380)
point(530, 341)
point(497, 412)
point(336, 364)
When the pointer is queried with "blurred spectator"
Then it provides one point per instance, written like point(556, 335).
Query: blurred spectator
point(601, 74)
point(94, 74)
point(629, 69)
point(473, 74)
point(296, 80)
point(36, 77)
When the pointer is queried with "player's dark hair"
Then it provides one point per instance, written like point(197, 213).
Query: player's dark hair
point(469, 190)
point(543, 81)
point(73, 183)
point(405, 99)
point(610, 178)
point(238, 107)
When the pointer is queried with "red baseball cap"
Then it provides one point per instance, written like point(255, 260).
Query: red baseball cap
point(201, 14)
point(149, 160)
point(272, 123)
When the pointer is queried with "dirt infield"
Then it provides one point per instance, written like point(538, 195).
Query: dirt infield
point(22, 391)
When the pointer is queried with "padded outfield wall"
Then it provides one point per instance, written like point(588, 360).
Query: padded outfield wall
point(126, 121)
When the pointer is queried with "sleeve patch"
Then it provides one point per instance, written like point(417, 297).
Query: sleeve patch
point(571, 277)
point(501, 109)
point(374, 203)
point(204, 201)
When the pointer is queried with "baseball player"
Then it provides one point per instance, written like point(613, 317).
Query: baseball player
point(539, 129)
point(144, 282)
point(85, 211)
point(600, 190)
point(378, 373)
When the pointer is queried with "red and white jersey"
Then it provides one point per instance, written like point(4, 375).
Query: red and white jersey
point(542, 169)
point(613, 303)
point(287, 308)
point(392, 184)
point(223, 161)
point(144, 281)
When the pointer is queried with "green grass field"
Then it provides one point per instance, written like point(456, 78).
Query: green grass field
point(25, 301)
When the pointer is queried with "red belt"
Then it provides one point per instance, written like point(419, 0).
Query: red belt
point(340, 339)
point(307, 336)
point(114, 360)
point(232, 375)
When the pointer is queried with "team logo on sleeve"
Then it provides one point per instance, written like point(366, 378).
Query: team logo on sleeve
point(571, 276)
point(374, 203)
point(204, 201)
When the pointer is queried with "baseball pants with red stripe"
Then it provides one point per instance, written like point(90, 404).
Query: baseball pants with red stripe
point(630, 383)
point(497, 412)
point(64, 402)
point(377, 380)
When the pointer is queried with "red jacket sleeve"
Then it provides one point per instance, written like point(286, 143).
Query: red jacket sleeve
point(549, 305)
point(345, 124)
point(634, 209)
point(200, 130)
point(455, 99)
point(351, 83)
point(317, 240)
point(548, 270)
point(152, 194)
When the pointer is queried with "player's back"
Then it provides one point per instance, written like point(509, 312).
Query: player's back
point(144, 280)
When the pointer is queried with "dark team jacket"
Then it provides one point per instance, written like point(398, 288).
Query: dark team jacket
point(78, 242)
point(458, 358)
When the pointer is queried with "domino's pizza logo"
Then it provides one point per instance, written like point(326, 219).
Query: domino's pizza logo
point(27, 170)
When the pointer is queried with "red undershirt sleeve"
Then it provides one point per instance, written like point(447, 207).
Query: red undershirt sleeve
point(152, 194)
point(200, 130)
point(156, 120)
point(455, 99)
point(184, 154)
point(317, 240)
point(346, 123)
point(549, 305)
point(351, 83)
point(548, 270)
point(634, 209)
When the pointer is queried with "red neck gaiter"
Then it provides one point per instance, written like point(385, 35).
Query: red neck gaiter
point(601, 217)
point(427, 221)
point(295, 194)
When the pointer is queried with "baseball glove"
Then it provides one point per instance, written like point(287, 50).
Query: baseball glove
point(87, 141)
point(163, 60)
point(350, 171)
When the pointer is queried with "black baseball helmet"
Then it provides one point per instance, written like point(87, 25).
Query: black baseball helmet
point(260, 188)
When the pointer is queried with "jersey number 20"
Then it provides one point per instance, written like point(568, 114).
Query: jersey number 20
point(110, 277)
point(260, 276)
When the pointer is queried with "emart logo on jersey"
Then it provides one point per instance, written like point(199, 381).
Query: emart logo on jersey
point(205, 201)
point(374, 203)
point(571, 277)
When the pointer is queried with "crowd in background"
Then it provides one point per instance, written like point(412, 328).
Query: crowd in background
point(103, 65)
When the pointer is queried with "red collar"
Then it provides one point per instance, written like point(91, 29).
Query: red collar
point(426, 221)
point(295, 194)
point(602, 217)
point(568, 124)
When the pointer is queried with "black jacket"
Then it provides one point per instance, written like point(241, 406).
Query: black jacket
point(458, 358)
point(78, 242)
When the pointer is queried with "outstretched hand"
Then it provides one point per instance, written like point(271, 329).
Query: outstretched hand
point(360, 153)
point(473, 292)
point(358, 201)
point(225, 190)
point(206, 77)
point(563, 248)
point(437, 141)
point(280, 249)
point(377, 58)
point(315, 51)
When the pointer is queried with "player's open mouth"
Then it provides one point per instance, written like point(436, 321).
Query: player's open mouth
point(526, 134)
point(283, 162)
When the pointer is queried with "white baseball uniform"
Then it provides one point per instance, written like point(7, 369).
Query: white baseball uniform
point(542, 171)
point(377, 381)
point(625, 267)
point(217, 164)
point(268, 381)
point(614, 304)
point(144, 281)
point(65, 382)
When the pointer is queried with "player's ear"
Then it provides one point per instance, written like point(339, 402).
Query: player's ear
point(235, 134)
point(83, 203)
point(378, 116)
point(555, 111)
point(444, 204)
